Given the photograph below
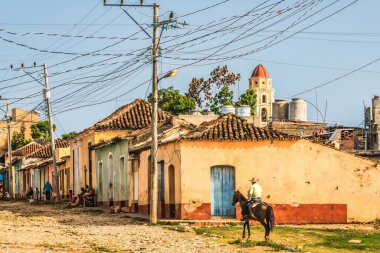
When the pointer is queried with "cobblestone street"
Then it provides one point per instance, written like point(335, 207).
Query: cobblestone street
point(52, 228)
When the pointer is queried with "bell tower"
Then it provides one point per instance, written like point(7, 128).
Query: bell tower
point(261, 83)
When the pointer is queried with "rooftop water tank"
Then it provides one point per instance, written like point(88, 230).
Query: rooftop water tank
point(243, 111)
point(227, 109)
point(298, 109)
point(195, 112)
point(280, 110)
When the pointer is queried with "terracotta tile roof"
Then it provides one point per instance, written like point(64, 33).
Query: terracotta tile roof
point(39, 164)
point(136, 115)
point(45, 152)
point(27, 149)
point(230, 127)
point(169, 130)
point(260, 71)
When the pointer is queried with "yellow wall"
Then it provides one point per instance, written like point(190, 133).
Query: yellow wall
point(18, 116)
point(63, 169)
point(61, 152)
point(171, 155)
point(262, 86)
point(290, 172)
point(84, 139)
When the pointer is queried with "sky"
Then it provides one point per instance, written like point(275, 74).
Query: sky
point(299, 54)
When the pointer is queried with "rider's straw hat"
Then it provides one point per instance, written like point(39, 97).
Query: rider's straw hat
point(253, 180)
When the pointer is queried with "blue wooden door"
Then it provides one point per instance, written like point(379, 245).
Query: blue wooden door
point(222, 189)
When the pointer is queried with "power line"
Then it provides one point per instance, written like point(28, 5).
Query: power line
point(62, 35)
point(335, 79)
point(223, 59)
point(203, 9)
point(58, 40)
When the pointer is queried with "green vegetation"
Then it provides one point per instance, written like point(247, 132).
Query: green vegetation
point(18, 138)
point(69, 135)
point(202, 90)
point(249, 243)
point(98, 248)
point(248, 98)
point(167, 223)
point(299, 238)
point(139, 220)
point(215, 91)
point(40, 131)
point(224, 97)
point(171, 100)
point(177, 228)
point(339, 239)
point(101, 249)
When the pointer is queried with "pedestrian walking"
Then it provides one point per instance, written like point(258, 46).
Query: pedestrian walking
point(37, 193)
point(47, 190)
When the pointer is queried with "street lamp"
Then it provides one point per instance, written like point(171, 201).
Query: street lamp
point(171, 73)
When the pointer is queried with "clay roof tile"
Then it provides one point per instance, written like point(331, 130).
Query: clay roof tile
point(233, 128)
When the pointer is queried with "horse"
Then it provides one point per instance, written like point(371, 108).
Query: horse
point(262, 212)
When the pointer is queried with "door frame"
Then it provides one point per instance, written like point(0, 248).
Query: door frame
point(211, 193)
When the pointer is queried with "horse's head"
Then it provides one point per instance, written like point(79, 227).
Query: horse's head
point(235, 197)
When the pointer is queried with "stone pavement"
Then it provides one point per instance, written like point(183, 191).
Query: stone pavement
point(52, 228)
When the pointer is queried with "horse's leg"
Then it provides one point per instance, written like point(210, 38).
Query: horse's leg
point(268, 231)
point(266, 226)
point(249, 230)
point(243, 236)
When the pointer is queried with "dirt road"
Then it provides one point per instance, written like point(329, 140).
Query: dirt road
point(52, 228)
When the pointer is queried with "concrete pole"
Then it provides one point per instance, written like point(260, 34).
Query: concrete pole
point(48, 105)
point(10, 170)
point(154, 175)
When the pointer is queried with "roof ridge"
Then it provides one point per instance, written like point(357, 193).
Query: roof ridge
point(136, 116)
point(45, 151)
point(230, 127)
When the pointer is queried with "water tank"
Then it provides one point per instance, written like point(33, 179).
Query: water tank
point(195, 112)
point(298, 109)
point(243, 111)
point(280, 110)
point(227, 109)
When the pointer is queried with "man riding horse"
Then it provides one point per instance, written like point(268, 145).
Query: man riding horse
point(254, 198)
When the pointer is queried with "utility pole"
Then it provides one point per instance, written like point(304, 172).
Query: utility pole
point(155, 47)
point(10, 167)
point(48, 106)
point(155, 40)
point(153, 205)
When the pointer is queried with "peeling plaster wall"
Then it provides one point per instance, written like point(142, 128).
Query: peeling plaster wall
point(119, 152)
point(170, 155)
point(83, 161)
point(290, 172)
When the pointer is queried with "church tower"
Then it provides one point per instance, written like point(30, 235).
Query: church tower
point(261, 83)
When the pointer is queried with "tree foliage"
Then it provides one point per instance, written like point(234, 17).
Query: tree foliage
point(224, 97)
point(171, 100)
point(18, 138)
point(40, 131)
point(69, 135)
point(248, 98)
point(201, 90)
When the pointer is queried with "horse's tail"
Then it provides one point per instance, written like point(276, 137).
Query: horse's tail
point(270, 217)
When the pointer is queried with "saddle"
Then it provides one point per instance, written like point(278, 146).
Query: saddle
point(252, 204)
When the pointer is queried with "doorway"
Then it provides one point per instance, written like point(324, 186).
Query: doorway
point(110, 180)
point(171, 191)
point(222, 189)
